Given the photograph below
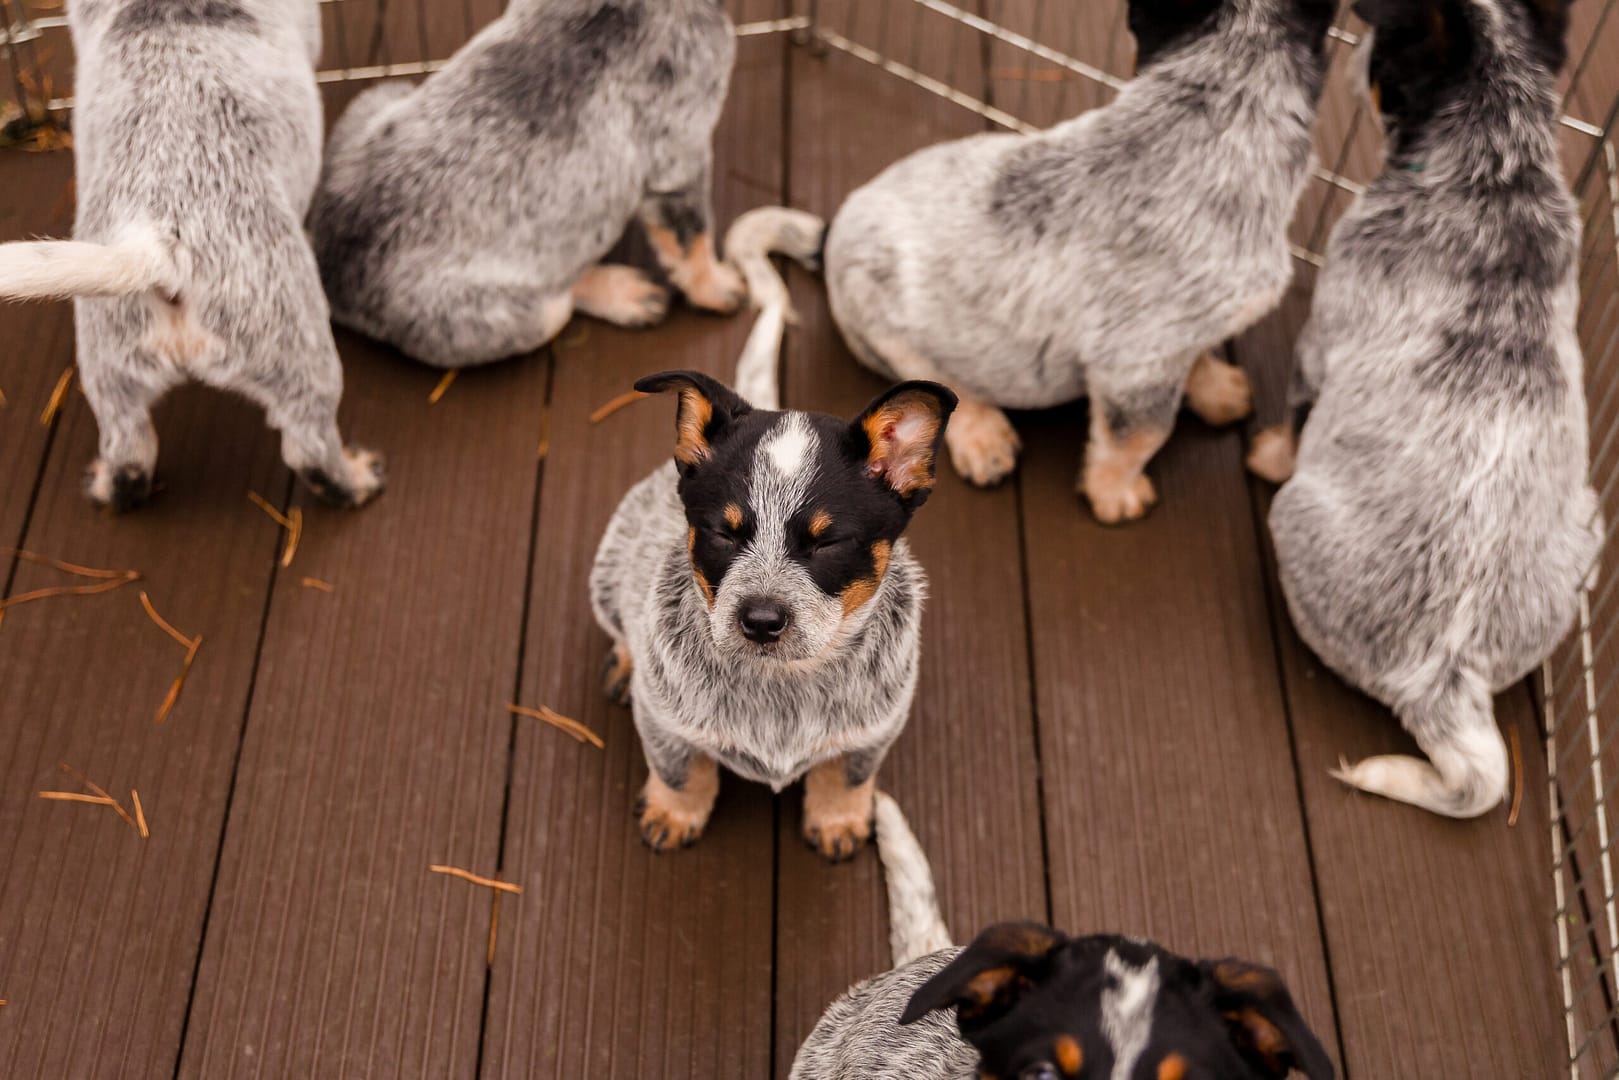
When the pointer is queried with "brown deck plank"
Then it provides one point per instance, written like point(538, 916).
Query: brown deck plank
point(1427, 919)
point(376, 745)
point(616, 961)
point(965, 770)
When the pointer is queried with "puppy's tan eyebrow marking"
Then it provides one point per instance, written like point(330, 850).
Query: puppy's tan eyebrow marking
point(819, 522)
point(1173, 1067)
point(733, 515)
point(1068, 1054)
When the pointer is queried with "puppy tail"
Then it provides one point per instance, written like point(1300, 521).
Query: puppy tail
point(753, 238)
point(915, 924)
point(139, 261)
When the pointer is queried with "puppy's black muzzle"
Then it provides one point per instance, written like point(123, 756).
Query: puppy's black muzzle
point(763, 621)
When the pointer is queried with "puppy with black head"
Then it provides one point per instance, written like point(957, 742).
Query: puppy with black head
point(1439, 517)
point(1104, 257)
point(764, 608)
point(1031, 1003)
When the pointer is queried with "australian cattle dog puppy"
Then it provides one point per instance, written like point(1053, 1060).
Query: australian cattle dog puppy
point(1031, 1003)
point(463, 220)
point(1439, 518)
point(197, 136)
point(1105, 256)
point(764, 609)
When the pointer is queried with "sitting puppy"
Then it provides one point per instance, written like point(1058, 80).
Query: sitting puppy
point(1439, 520)
point(463, 220)
point(1034, 1004)
point(197, 126)
point(1102, 257)
point(764, 610)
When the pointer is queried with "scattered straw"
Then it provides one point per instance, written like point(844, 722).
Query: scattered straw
point(476, 879)
point(72, 568)
point(100, 791)
point(293, 523)
point(58, 395)
point(443, 385)
point(560, 722)
point(545, 434)
point(1517, 776)
point(318, 585)
point(140, 815)
point(77, 796)
point(616, 404)
point(191, 644)
point(107, 580)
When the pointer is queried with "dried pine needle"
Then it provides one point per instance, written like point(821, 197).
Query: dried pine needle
point(1517, 777)
point(77, 796)
point(191, 644)
point(293, 523)
point(163, 624)
point(140, 815)
point(545, 434)
point(616, 404)
point(71, 568)
point(560, 722)
point(2, 399)
point(476, 879)
point(318, 585)
point(100, 791)
point(494, 923)
point(58, 395)
point(264, 504)
point(443, 385)
point(106, 585)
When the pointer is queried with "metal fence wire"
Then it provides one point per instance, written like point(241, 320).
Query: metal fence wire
point(1026, 64)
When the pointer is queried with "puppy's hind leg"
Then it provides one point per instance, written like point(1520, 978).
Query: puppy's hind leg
point(302, 406)
point(621, 295)
point(617, 668)
point(1218, 392)
point(1468, 774)
point(680, 226)
point(1131, 419)
point(121, 476)
point(679, 795)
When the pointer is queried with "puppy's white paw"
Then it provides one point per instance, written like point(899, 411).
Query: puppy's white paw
point(1274, 454)
point(368, 473)
point(121, 489)
point(717, 287)
point(623, 296)
point(983, 444)
point(1218, 392)
point(1117, 500)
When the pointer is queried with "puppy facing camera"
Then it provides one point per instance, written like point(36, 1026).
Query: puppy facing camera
point(764, 607)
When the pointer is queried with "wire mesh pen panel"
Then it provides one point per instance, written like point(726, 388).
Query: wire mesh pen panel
point(1023, 65)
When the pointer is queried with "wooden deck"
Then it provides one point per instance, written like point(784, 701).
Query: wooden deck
point(1116, 729)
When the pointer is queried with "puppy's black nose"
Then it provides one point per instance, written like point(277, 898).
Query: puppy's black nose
point(763, 620)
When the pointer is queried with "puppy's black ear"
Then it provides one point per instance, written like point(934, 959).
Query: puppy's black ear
point(899, 434)
point(1265, 1026)
point(990, 974)
point(708, 409)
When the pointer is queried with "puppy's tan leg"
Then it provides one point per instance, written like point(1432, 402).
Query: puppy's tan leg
point(616, 671)
point(679, 226)
point(1218, 392)
point(674, 817)
point(1274, 454)
point(982, 442)
point(1113, 478)
point(621, 295)
point(837, 813)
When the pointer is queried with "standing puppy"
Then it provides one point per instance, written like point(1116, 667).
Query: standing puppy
point(462, 220)
point(1433, 537)
point(1102, 257)
point(197, 128)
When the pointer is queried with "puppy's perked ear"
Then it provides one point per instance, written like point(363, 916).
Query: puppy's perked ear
point(899, 434)
point(990, 974)
point(1265, 1026)
point(708, 409)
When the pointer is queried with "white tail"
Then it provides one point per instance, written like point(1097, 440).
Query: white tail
point(753, 238)
point(44, 269)
point(915, 924)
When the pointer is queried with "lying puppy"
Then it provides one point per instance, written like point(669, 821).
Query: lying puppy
point(1034, 1004)
point(764, 610)
point(1104, 256)
point(1439, 521)
point(463, 220)
point(197, 127)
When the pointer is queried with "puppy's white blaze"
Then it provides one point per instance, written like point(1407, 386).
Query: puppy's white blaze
point(787, 447)
point(1127, 1012)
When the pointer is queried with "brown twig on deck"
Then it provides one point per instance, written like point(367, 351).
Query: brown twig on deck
point(191, 644)
point(560, 722)
point(476, 879)
point(54, 404)
point(443, 385)
point(1517, 776)
point(616, 404)
point(292, 522)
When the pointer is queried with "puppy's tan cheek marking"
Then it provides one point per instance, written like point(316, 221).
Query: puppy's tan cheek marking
point(860, 590)
point(1068, 1055)
point(696, 571)
point(691, 445)
point(1173, 1067)
point(819, 522)
point(733, 515)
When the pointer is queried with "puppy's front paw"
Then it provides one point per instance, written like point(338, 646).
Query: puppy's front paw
point(623, 296)
point(1274, 454)
point(673, 818)
point(1117, 500)
point(838, 816)
point(365, 474)
point(616, 669)
point(983, 444)
point(1218, 392)
point(717, 288)
point(121, 489)
point(837, 841)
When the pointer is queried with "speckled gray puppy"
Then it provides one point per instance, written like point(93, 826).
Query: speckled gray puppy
point(1433, 536)
point(462, 220)
point(197, 136)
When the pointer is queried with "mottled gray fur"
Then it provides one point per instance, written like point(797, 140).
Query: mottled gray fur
point(455, 219)
point(1432, 539)
point(197, 134)
point(1100, 257)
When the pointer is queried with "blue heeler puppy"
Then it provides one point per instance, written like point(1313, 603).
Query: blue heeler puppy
point(197, 134)
point(1439, 519)
point(1103, 257)
point(462, 220)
